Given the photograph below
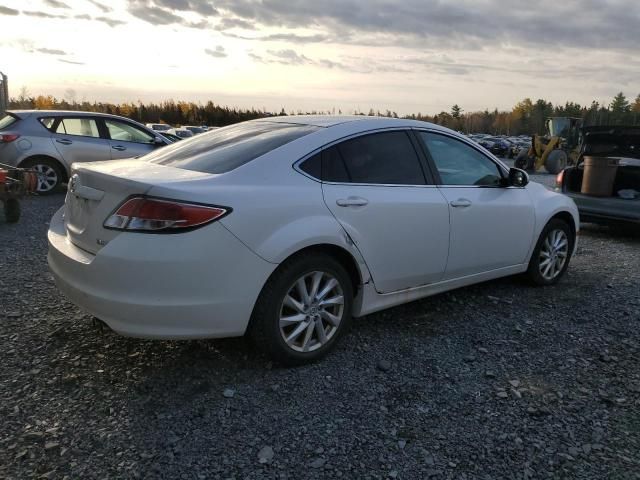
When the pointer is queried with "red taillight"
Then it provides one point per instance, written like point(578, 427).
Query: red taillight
point(142, 214)
point(559, 179)
point(8, 137)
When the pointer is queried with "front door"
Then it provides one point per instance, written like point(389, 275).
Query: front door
point(376, 187)
point(127, 140)
point(492, 225)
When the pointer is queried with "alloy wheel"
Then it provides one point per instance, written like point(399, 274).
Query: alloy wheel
point(553, 254)
point(311, 311)
point(47, 177)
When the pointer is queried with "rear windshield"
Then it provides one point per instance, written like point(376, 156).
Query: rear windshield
point(225, 149)
point(7, 121)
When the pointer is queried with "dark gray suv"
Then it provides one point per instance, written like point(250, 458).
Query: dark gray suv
point(50, 141)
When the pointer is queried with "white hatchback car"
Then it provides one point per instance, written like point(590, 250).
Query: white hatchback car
point(285, 228)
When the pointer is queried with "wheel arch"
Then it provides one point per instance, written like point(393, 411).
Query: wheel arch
point(339, 253)
point(35, 157)
point(566, 217)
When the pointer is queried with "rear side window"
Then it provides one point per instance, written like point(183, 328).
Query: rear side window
point(313, 166)
point(386, 158)
point(7, 121)
point(225, 149)
point(48, 122)
point(83, 127)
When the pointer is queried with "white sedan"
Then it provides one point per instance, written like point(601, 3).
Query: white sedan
point(284, 228)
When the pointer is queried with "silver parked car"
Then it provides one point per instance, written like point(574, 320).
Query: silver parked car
point(49, 141)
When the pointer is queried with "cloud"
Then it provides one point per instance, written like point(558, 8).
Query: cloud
point(51, 51)
point(56, 4)
point(285, 37)
point(109, 21)
point(204, 8)
point(228, 23)
point(102, 7)
point(70, 61)
point(218, 52)
point(163, 12)
point(84, 16)
point(289, 57)
point(465, 24)
point(8, 11)
point(152, 14)
point(42, 14)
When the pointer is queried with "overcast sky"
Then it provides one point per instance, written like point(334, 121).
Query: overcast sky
point(408, 56)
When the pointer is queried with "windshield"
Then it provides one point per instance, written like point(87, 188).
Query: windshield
point(7, 121)
point(559, 127)
point(224, 149)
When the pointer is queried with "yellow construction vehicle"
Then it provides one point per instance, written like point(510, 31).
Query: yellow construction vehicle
point(557, 149)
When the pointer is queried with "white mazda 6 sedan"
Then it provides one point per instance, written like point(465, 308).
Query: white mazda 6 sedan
point(285, 228)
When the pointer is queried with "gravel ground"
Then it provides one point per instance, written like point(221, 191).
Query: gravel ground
point(499, 380)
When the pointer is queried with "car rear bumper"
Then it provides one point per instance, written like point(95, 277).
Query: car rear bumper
point(606, 209)
point(200, 284)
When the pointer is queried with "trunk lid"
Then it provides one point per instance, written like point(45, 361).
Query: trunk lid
point(97, 189)
point(611, 141)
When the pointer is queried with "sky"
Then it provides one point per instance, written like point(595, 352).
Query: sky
point(406, 56)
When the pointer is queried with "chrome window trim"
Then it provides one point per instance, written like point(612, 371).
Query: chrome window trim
point(296, 164)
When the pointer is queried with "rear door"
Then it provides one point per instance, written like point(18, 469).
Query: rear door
point(375, 185)
point(127, 140)
point(77, 139)
point(492, 225)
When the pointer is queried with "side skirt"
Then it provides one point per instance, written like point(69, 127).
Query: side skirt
point(370, 301)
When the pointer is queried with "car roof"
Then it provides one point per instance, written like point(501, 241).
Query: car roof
point(59, 113)
point(366, 121)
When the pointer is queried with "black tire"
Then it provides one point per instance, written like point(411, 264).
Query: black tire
point(264, 327)
point(12, 210)
point(534, 271)
point(48, 165)
point(523, 161)
point(556, 161)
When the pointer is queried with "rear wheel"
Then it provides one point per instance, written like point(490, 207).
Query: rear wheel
point(556, 161)
point(12, 210)
point(50, 174)
point(303, 310)
point(550, 258)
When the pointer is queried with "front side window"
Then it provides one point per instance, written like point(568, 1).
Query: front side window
point(225, 149)
point(83, 127)
point(125, 132)
point(386, 158)
point(460, 164)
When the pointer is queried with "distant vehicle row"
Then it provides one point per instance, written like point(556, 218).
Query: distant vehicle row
point(50, 141)
point(181, 132)
point(502, 146)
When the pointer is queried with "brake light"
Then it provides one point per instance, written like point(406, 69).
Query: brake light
point(559, 179)
point(143, 214)
point(8, 137)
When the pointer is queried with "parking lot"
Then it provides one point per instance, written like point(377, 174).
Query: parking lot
point(498, 380)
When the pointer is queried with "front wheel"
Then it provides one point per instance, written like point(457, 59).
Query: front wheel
point(303, 310)
point(523, 161)
point(550, 258)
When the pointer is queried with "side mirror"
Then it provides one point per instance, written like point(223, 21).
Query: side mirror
point(158, 141)
point(518, 178)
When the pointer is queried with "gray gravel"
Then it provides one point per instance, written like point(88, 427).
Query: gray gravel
point(495, 381)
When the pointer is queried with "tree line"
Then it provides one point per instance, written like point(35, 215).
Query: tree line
point(526, 117)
